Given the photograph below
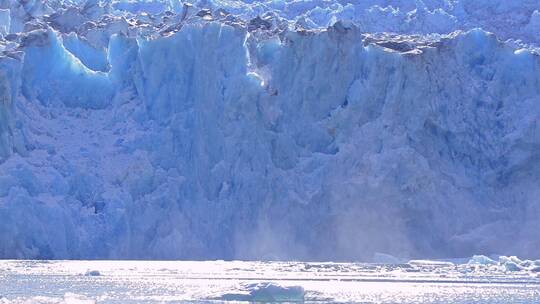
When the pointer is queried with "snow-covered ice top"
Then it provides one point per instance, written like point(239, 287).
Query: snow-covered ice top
point(517, 21)
point(269, 130)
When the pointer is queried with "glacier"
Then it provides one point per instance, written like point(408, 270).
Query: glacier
point(312, 130)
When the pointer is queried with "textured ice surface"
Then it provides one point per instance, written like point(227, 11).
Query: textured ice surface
point(481, 260)
point(317, 130)
point(263, 282)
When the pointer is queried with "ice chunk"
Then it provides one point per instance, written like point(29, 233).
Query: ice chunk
point(92, 273)
point(268, 292)
point(481, 260)
point(512, 259)
point(535, 269)
point(272, 292)
point(386, 258)
point(511, 266)
point(511, 263)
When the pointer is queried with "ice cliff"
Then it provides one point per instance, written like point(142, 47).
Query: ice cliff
point(320, 130)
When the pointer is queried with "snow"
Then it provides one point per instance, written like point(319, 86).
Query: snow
point(320, 130)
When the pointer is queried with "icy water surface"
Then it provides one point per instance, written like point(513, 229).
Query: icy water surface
point(219, 281)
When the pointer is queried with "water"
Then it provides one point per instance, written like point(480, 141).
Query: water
point(237, 281)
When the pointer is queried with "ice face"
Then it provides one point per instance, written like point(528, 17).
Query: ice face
point(5, 21)
point(10, 136)
point(95, 58)
point(53, 75)
point(159, 130)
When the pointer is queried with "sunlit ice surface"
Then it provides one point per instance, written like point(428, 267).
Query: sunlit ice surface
point(237, 281)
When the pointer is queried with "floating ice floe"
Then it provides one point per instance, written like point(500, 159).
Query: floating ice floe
point(506, 263)
point(267, 292)
point(273, 292)
point(92, 273)
point(481, 260)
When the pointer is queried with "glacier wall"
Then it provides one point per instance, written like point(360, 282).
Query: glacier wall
point(210, 139)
